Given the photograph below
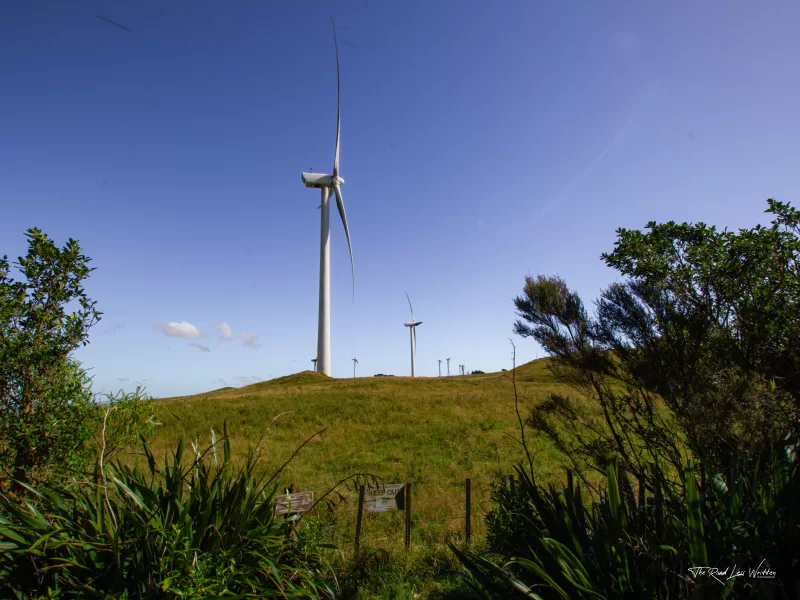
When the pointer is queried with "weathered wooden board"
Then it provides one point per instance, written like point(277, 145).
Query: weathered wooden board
point(293, 503)
point(383, 498)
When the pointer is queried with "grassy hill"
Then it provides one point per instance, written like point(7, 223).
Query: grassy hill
point(434, 432)
point(399, 427)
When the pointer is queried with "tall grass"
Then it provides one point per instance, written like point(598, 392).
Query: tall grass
point(549, 543)
point(197, 528)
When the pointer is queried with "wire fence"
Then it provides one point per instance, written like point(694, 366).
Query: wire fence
point(414, 513)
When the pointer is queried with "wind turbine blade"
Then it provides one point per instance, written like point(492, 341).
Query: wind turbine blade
point(338, 105)
point(409, 306)
point(340, 205)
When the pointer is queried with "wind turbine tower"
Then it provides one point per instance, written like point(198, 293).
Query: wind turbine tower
point(355, 362)
point(440, 367)
point(329, 185)
point(314, 361)
point(448, 367)
point(412, 327)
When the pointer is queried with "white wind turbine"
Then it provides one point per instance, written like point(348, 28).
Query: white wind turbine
point(355, 362)
point(328, 184)
point(412, 325)
point(440, 367)
point(448, 367)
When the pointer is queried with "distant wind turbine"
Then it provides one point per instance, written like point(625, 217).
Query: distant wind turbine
point(314, 360)
point(355, 362)
point(448, 367)
point(328, 184)
point(440, 367)
point(412, 326)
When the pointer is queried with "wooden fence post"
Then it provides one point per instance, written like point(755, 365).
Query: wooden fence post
point(469, 509)
point(408, 515)
point(358, 518)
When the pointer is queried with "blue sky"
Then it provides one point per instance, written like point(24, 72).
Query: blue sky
point(480, 142)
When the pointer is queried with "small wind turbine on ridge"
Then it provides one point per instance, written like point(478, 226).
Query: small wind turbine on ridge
point(355, 362)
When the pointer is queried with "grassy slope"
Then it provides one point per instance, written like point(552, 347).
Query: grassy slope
point(432, 431)
point(421, 429)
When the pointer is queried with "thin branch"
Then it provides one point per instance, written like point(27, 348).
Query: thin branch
point(300, 447)
point(266, 430)
point(102, 470)
point(516, 406)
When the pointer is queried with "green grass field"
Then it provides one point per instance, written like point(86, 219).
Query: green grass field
point(433, 432)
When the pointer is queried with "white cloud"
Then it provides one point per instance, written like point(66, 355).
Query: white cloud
point(178, 329)
point(225, 331)
point(250, 340)
point(200, 347)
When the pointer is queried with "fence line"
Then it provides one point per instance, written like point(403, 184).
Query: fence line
point(412, 493)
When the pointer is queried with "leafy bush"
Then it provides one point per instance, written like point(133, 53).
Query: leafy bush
point(46, 402)
point(641, 543)
point(698, 347)
point(198, 530)
point(122, 421)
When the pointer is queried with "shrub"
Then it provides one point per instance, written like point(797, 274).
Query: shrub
point(641, 543)
point(197, 530)
point(45, 398)
point(121, 422)
point(697, 347)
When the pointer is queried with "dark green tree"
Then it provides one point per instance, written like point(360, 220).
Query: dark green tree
point(46, 406)
point(698, 346)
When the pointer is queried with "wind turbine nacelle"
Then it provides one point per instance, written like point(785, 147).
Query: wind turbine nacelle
point(319, 180)
point(413, 324)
